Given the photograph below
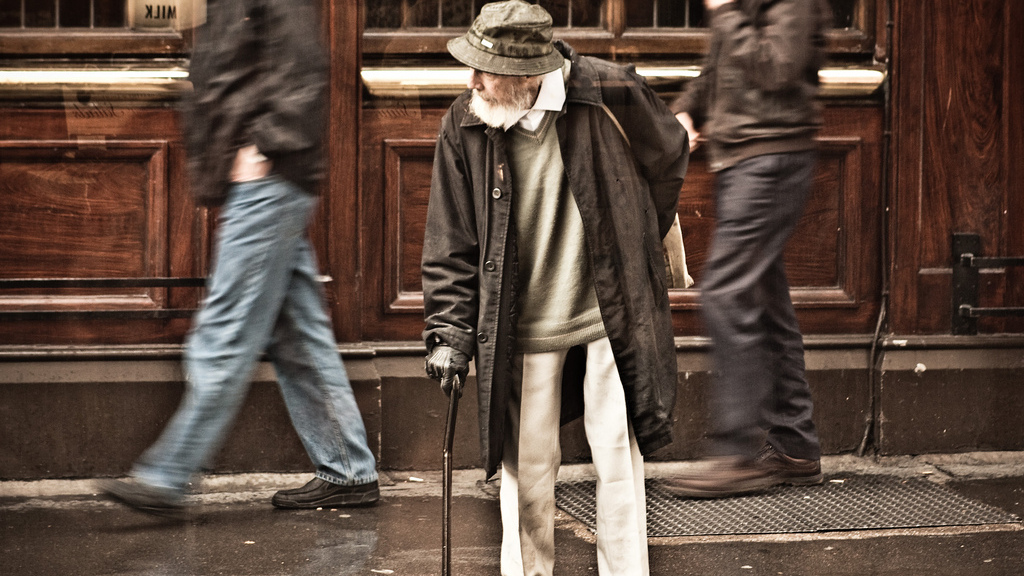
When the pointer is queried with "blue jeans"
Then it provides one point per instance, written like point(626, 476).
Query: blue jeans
point(757, 349)
point(263, 295)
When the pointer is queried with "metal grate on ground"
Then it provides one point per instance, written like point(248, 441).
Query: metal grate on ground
point(848, 503)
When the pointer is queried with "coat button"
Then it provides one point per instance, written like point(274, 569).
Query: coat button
point(489, 266)
point(481, 337)
point(496, 193)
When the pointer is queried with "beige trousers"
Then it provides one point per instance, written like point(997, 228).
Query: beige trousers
point(531, 459)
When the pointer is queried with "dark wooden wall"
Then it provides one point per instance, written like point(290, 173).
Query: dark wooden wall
point(94, 189)
point(88, 190)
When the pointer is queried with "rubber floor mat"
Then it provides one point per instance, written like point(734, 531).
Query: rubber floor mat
point(841, 503)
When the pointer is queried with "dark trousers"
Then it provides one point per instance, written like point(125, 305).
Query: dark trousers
point(757, 349)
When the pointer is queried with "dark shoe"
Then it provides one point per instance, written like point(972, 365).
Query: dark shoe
point(143, 497)
point(319, 493)
point(722, 476)
point(795, 471)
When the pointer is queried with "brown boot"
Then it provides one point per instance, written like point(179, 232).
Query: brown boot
point(794, 471)
point(722, 476)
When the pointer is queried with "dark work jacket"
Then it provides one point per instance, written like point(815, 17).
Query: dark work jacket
point(757, 87)
point(626, 193)
point(259, 76)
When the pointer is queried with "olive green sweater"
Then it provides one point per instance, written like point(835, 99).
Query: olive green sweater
point(558, 306)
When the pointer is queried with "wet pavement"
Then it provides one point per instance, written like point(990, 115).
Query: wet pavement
point(62, 528)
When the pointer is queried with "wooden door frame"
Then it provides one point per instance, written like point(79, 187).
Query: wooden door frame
point(340, 205)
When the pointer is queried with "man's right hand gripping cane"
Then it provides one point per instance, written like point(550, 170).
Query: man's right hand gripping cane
point(443, 364)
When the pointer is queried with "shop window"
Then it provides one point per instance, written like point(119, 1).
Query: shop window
point(665, 14)
point(77, 14)
point(89, 27)
point(409, 14)
point(634, 27)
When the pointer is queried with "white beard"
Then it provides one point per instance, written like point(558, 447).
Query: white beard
point(496, 115)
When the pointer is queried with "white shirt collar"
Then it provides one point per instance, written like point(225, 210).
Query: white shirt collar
point(551, 97)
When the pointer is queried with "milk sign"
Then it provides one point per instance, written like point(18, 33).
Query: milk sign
point(172, 14)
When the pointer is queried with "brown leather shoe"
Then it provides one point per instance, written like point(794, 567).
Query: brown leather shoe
point(722, 476)
point(794, 471)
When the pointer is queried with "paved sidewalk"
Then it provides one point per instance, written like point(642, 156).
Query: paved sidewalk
point(58, 527)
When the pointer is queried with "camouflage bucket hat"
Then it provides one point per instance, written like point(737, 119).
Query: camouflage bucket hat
point(511, 38)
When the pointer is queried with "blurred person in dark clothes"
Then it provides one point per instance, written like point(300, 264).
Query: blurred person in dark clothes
point(754, 103)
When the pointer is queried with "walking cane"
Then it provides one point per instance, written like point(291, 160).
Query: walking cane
point(446, 485)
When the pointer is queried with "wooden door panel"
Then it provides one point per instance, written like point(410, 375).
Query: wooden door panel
point(95, 193)
point(832, 260)
point(73, 212)
point(957, 141)
point(397, 156)
point(407, 167)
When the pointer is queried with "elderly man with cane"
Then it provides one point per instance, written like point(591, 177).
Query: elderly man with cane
point(556, 176)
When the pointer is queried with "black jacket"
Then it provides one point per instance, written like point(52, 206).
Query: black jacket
point(756, 91)
point(626, 192)
point(259, 76)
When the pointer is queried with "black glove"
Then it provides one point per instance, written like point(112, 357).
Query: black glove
point(444, 363)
